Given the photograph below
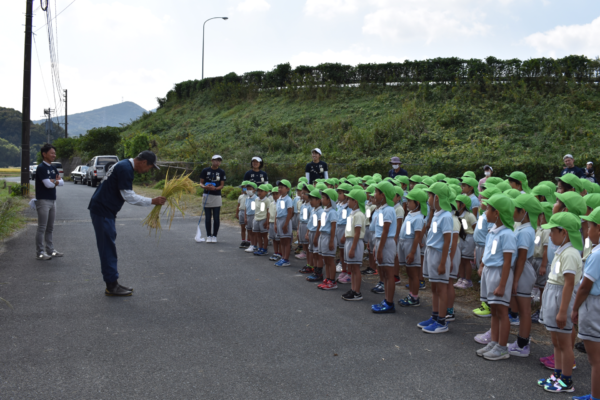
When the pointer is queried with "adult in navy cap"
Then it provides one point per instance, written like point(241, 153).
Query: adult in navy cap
point(396, 168)
point(115, 190)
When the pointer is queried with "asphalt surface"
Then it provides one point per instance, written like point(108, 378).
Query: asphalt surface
point(208, 321)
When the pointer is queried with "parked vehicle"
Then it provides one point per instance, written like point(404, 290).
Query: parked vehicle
point(97, 168)
point(32, 169)
point(59, 167)
point(78, 173)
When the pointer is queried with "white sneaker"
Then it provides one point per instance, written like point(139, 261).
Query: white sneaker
point(250, 249)
point(214, 239)
point(338, 268)
point(43, 256)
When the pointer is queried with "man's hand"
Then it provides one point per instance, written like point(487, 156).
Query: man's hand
point(159, 201)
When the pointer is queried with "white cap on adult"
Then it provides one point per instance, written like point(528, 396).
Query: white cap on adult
point(217, 157)
point(568, 156)
point(318, 150)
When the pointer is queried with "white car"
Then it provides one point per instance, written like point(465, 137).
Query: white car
point(32, 169)
point(78, 174)
point(59, 167)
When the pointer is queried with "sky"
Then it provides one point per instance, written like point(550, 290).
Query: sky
point(133, 50)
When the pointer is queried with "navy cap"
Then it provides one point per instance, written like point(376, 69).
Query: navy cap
point(149, 156)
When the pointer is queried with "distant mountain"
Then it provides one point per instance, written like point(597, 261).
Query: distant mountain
point(114, 115)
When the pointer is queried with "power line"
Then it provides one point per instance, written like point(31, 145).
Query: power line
point(56, 16)
point(41, 73)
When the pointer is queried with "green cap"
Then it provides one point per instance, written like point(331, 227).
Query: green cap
point(248, 183)
point(593, 217)
point(546, 191)
point(547, 207)
point(351, 176)
point(531, 205)
point(303, 179)
point(399, 191)
point(571, 223)
point(420, 186)
point(452, 181)
point(360, 197)
point(452, 198)
point(592, 200)
point(442, 191)
point(469, 174)
point(471, 182)
point(371, 182)
point(572, 180)
point(244, 183)
point(377, 176)
point(345, 187)
point(512, 193)
point(389, 179)
point(366, 177)
point(550, 184)
point(415, 178)
point(494, 180)
point(505, 207)
point(330, 181)
point(489, 192)
point(270, 186)
point(388, 190)
point(357, 187)
point(320, 186)
point(377, 179)
point(264, 187)
point(466, 200)
point(316, 193)
point(419, 196)
point(457, 189)
point(428, 181)
point(438, 177)
point(521, 177)
point(331, 193)
point(574, 202)
point(587, 185)
point(300, 185)
point(285, 183)
point(310, 188)
point(370, 189)
point(596, 188)
point(402, 179)
point(502, 186)
point(425, 176)
point(320, 180)
point(274, 190)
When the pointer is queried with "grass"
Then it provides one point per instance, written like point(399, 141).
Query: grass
point(11, 218)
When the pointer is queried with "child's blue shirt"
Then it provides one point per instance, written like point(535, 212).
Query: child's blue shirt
point(413, 222)
point(385, 214)
point(441, 223)
point(499, 240)
point(283, 203)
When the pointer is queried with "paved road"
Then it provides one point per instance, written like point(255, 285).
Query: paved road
point(208, 321)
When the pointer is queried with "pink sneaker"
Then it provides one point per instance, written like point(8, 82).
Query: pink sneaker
point(484, 338)
point(458, 282)
point(344, 278)
point(544, 359)
point(549, 362)
point(301, 256)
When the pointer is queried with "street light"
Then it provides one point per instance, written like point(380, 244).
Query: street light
point(225, 18)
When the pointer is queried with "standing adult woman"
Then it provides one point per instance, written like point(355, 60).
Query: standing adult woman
point(212, 180)
point(256, 174)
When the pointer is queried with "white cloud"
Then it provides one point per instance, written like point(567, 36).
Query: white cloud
point(327, 9)
point(349, 57)
point(426, 20)
point(253, 5)
point(565, 40)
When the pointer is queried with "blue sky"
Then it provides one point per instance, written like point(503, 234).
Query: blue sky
point(137, 50)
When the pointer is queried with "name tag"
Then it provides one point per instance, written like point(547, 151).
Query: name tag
point(321, 169)
point(315, 219)
point(262, 207)
point(380, 219)
point(408, 228)
point(587, 243)
point(349, 224)
point(537, 240)
point(434, 227)
point(305, 214)
point(344, 213)
point(494, 246)
point(480, 222)
point(282, 205)
point(253, 206)
point(465, 225)
point(368, 213)
point(557, 267)
point(323, 219)
point(262, 178)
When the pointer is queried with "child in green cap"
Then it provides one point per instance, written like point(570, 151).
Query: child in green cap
point(497, 275)
point(437, 265)
point(354, 246)
point(283, 222)
point(569, 183)
point(303, 227)
point(327, 240)
point(312, 236)
point(296, 204)
point(249, 215)
point(518, 180)
point(240, 215)
point(467, 244)
point(399, 210)
point(260, 226)
point(342, 213)
point(370, 208)
point(559, 297)
point(540, 254)
point(274, 237)
point(469, 187)
point(586, 309)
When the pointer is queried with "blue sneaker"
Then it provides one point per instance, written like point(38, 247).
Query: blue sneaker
point(383, 308)
point(409, 301)
point(424, 324)
point(379, 288)
point(514, 321)
point(586, 397)
point(284, 263)
point(264, 252)
point(278, 263)
point(436, 327)
point(258, 252)
point(422, 285)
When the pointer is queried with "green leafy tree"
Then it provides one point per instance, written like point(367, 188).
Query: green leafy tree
point(66, 147)
point(101, 141)
point(10, 155)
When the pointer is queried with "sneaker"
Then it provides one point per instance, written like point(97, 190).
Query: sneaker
point(484, 311)
point(484, 338)
point(467, 284)
point(284, 263)
point(306, 270)
point(436, 327)
point(383, 308)
point(544, 359)
point(368, 271)
point(450, 317)
point(580, 347)
point(250, 249)
point(274, 257)
point(515, 350)
point(458, 282)
point(586, 397)
point(244, 244)
point(351, 295)
point(301, 256)
point(315, 277)
point(535, 317)
point(496, 354)
point(345, 279)
point(264, 252)
point(514, 321)
point(258, 252)
point(422, 285)
point(485, 349)
point(330, 285)
point(409, 301)
point(397, 280)
point(277, 257)
point(298, 249)
point(338, 268)
point(549, 362)
point(379, 288)
point(547, 381)
point(322, 284)
point(43, 256)
point(342, 274)
point(560, 387)
point(426, 323)
point(55, 253)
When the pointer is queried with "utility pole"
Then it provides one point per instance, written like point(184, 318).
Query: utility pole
point(26, 121)
point(66, 116)
point(49, 127)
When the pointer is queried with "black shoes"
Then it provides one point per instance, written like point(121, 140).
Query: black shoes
point(114, 289)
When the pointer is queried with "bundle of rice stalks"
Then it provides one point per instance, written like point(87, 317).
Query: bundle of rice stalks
point(173, 191)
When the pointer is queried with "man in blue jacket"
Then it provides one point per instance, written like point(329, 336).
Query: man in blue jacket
point(115, 190)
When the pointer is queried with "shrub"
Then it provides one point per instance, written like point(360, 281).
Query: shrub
point(160, 185)
point(226, 190)
point(234, 193)
point(199, 191)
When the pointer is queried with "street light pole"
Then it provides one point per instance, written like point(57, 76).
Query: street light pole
point(203, 26)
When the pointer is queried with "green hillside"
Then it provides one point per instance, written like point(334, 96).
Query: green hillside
point(448, 124)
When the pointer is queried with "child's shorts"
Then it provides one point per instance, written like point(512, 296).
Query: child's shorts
point(250, 222)
point(589, 323)
point(388, 253)
point(403, 249)
point(358, 252)
point(259, 226)
point(423, 243)
point(456, 262)
point(431, 262)
point(311, 242)
point(302, 230)
point(527, 280)
point(340, 232)
point(490, 280)
point(280, 223)
point(479, 249)
point(467, 247)
point(324, 250)
point(295, 220)
point(551, 300)
point(540, 281)
point(242, 216)
point(272, 234)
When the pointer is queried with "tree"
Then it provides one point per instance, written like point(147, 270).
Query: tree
point(101, 141)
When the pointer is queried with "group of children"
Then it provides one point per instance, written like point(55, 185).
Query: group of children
point(438, 228)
